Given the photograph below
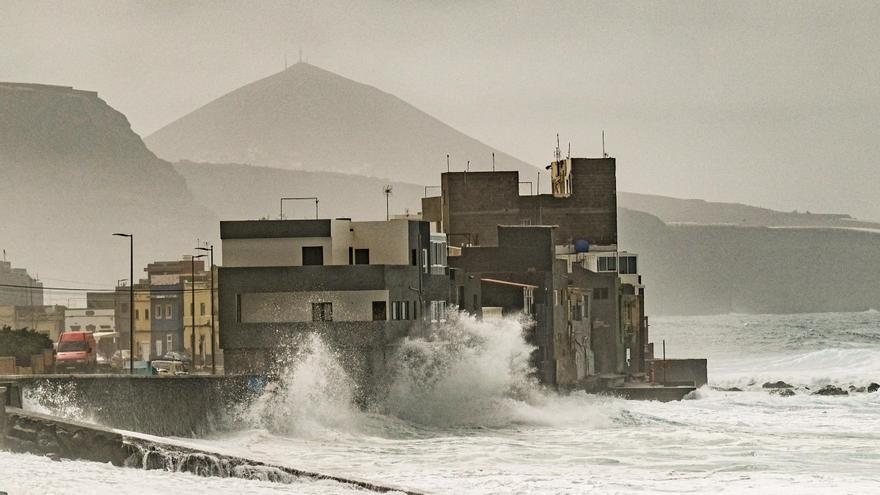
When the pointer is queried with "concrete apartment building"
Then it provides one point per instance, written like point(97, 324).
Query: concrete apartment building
point(587, 275)
point(18, 288)
point(361, 285)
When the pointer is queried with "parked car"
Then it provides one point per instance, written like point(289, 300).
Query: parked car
point(77, 351)
point(168, 367)
point(119, 360)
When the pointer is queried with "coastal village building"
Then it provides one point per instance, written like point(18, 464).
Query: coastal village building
point(578, 275)
point(202, 310)
point(18, 288)
point(167, 280)
point(48, 320)
point(361, 285)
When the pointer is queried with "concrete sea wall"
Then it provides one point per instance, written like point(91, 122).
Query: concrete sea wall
point(168, 406)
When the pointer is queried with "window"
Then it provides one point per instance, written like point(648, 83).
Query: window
point(361, 256)
point(238, 308)
point(438, 311)
point(629, 265)
point(202, 309)
point(528, 300)
point(380, 311)
point(555, 297)
point(600, 293)
point(75, 328)
point(312, 255)
point(322, 311)
point(351, 256)
point(167, 311)
point(90, 328)
point(396, 311)
point(158, 347)
point(438, 257)
point(90, 313)
point(169, 342)
point(158, 311)
point(137, 314)
point(425, 260)
point(146, 313)
point(607, 264)
point(415, 257)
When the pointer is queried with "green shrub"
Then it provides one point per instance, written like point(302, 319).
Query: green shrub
point(22, 344)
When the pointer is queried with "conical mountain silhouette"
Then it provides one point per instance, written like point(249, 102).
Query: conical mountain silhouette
point(310, 119)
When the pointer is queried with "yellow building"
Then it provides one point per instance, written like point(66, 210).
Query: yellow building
point(142, 320)
point(202, 309)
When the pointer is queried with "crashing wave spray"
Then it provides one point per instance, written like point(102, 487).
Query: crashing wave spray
point(463, 371)
point(313, 393)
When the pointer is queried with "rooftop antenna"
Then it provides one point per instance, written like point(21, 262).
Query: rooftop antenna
point(493, 161)
point(387, 191)
point(557, 154)
point(468, 169)
point(604, 155)
point(447, 162)
point(4, 255)
point(569, 150)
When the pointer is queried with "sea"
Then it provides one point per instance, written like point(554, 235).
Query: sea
point(461, 415)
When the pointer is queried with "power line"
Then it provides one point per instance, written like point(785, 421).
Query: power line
point(107, 291)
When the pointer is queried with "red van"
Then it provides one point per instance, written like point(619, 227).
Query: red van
point(77, 351)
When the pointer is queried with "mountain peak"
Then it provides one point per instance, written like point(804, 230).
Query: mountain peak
point(309, 118)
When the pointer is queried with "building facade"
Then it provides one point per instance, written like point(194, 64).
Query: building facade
point(588, 299)
point(18, 288)
point(361, 286)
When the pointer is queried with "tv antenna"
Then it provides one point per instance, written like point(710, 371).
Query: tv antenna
point(557, 153)
point(387, 191)
point(604, 155)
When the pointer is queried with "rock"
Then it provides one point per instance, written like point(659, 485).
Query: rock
point(873, 387)
point(860, 390)
point(732, 389)
point(779, 384)
point(783, 392)
point(831, 390)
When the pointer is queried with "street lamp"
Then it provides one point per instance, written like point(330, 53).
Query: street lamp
point(192, 308)
point(130, 302)
point(213, 353)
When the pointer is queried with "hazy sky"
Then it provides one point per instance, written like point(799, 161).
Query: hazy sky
point(769, 103)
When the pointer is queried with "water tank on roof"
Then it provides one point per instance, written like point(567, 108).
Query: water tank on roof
point(581, 246)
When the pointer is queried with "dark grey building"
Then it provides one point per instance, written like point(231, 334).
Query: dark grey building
point(361, 286)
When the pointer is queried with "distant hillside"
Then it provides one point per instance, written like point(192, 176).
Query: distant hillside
point(704, 269)
point(245, 192)
point(698, 211)
point(310, 119)
point(73, 172)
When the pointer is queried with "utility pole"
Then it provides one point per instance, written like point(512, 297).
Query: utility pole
point(130, 301)
point(213, 350)
point(192, 308)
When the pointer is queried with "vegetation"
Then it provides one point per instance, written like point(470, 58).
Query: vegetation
point(22, 344)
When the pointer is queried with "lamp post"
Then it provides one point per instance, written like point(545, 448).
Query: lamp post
point(130, 301)
point(192, 309)
point(213, 353)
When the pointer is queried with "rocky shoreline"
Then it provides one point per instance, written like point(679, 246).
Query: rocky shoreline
point(784, 389)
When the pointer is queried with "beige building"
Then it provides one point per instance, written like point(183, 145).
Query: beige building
point(44, 319)
point(202, 310)
point(142, 320)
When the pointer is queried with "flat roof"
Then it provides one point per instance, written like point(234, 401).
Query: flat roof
point(274, 229)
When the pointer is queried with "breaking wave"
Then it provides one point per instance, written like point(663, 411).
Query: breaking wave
point(462, 373)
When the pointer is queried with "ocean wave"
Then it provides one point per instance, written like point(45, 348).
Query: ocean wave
point(465, 373)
